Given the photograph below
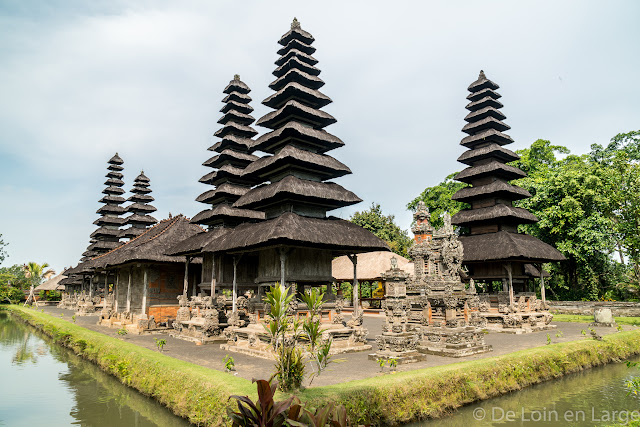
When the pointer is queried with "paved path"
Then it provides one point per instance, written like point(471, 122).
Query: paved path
point(347, 367)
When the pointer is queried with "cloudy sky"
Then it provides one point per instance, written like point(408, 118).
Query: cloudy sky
point(80, 81)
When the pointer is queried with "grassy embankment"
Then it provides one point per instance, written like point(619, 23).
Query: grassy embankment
point(579, 318)
point(201, 394)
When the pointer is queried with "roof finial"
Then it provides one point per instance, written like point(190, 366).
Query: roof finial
point(236, 77)
point(295, 24)
point(481, 76)
point(141, 171)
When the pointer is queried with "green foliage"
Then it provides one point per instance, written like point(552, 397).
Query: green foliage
point(548, 339)
point(229, 363)
point(122, 332)
point(289, 367)
point(37, 273)
point(3, 251)
point(384, 227)
point(160, 343)
point(633, 385)
point(393, 363)
point(14, 276)
point(9, 294)
point(73, 318)
point(381, 363)
point(438, 200)
point(50, 296)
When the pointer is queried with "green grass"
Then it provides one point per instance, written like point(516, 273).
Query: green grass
point(579, 318)
point(201, 394)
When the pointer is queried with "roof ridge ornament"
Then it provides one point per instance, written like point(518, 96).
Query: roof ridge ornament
point(295, 24)
point(236, 77)
point(482, 76)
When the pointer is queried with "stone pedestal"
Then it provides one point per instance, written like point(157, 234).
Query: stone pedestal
point(400, 346)
point(452, 342)
point(603, 317)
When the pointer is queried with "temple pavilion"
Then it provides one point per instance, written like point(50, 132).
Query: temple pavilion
point(494, 250)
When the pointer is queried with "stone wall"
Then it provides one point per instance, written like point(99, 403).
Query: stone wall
point(619, 308)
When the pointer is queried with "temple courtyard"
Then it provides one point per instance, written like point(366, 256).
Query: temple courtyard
point(345, 367)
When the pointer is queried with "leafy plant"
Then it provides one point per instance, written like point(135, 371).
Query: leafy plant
point(595, 335)
point(381, 363)
point(73, 318)
point(559, 334)
point(289, 367)
point(584, 332)
point(122, 332)
point(633, 385)
point(548, 339)
point(229, 363)
point(393, 363)
point(619, 328)
point(265, 412)
point(160, 343)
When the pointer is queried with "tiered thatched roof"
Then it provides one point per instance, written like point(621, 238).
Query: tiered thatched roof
point(140, 208)
point(493, 220)
point(107, 236)
point(233, 155)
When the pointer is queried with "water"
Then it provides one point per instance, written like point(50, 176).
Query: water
point(595, 397)
point(43, 384)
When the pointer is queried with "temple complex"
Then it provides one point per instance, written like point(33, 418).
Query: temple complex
point(140, 208)
point(493, 248)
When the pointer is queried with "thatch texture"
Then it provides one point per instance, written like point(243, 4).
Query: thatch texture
point(291, 229)
point(495, 189)
point(319, 140)
point(292, 90)
point(507, 246)
point(493, 168)
point(491, 151)
point(371, 265)
point(495, 214)
point(222, 211)
point(298, 45)
point(195, 244)
point(298, 53)
point(52, 284)
point(316, 118)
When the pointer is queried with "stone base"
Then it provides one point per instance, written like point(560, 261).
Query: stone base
point(604, 325)
point(519, 322)
point(410, 356)
point(453, 342)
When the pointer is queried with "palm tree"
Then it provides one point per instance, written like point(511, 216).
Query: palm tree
point(36, 272)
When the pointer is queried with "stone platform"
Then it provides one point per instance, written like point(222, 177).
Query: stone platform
point(453, 342)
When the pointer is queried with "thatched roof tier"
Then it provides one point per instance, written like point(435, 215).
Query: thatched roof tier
point(115, 167)
point(230, 157)
point(236, 129)
point(493, 168)
point(487, 101)
point(151, 245)
point(237, 106)
point(223, 192)
point(297, 76)
point(296, 33)
point(232, 142)
point(294, 110)
point(490, 151)
point(531, 270)
point(236, 85)
point(113, 190)
point(486, 123)
point(52, 284)
point(111, 209)
point(484, 113)
point(116, 160)
point(109, 220)
point(498, 188)
point(227, 173)
point(236, 116)
point(505, 246)
point(291, 159)
point(294, 133)
point(482, 83)
point(306, 58)
point(141, 207)
point(297, 45)
point(114, 182)
point(474, 96)
point(296, 63)
point(371, 266)
point(194, 244)
point(310, 97)
point(237, 97)
point(112, 199)
point(103, 246)
point(485, 137)
point(327, 194)
point(132, 232)
point(223, 213)
point(103, 231)
point(140, 198)
point(140, 219)
point(74, 280)
point(114, 174)
point(338, 235)
point(502, 214)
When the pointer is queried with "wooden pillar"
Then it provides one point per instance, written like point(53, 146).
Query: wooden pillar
point(116, 291)
point(354, 260)
point(91, 287)
point(283, 259)
point(106, 283)
point(129, 291)
point(234, 294)
point(542, 290)
point(186, 275)
point(145, 290)
point(507, 267)
point(213, 276)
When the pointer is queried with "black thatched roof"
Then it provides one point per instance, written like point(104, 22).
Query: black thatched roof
point(231, 157)
point(492, 168)
point(313, 98)
point(499, 214)
point(232, 142)
point(151, 245)
point(237, 106)
point(226, 191)
point(236, 85)
point(484, 137)
point(294, 133)
point(500, 189)
point(299, 54)
point(298, 45)
point(296, 33)
point(491, 151)
point(482, 83)
point(504, 245)
point(316, 118)
point(236, 116)
point(236, 129)
point(116, 160)
point(195, 243)
point(327, 194)
point(295, 63)
point(299, 76)
point(290, 157)
point(531, 270)
point(223, 212)
point(291, 229)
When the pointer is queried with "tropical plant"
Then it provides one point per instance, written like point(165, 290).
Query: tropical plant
point(11, 295)
point(3, 252)
point(393, 363)
point(229, 363)
point(438, 200)
point(160, 343)
point(122, 332)
point(382, 362)
point(384, 227)
point(37, 272)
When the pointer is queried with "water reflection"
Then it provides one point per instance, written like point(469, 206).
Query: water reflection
point(587, 398)
point(45, 384)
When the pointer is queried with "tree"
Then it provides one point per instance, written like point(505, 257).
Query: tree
point(384, 227)
point(36, 272)
point(438, 200)
point(3, 252)
point(13, 276)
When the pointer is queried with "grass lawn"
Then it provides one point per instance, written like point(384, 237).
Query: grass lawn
point(634, 321)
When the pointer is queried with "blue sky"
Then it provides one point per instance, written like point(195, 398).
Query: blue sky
point(82, 80)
